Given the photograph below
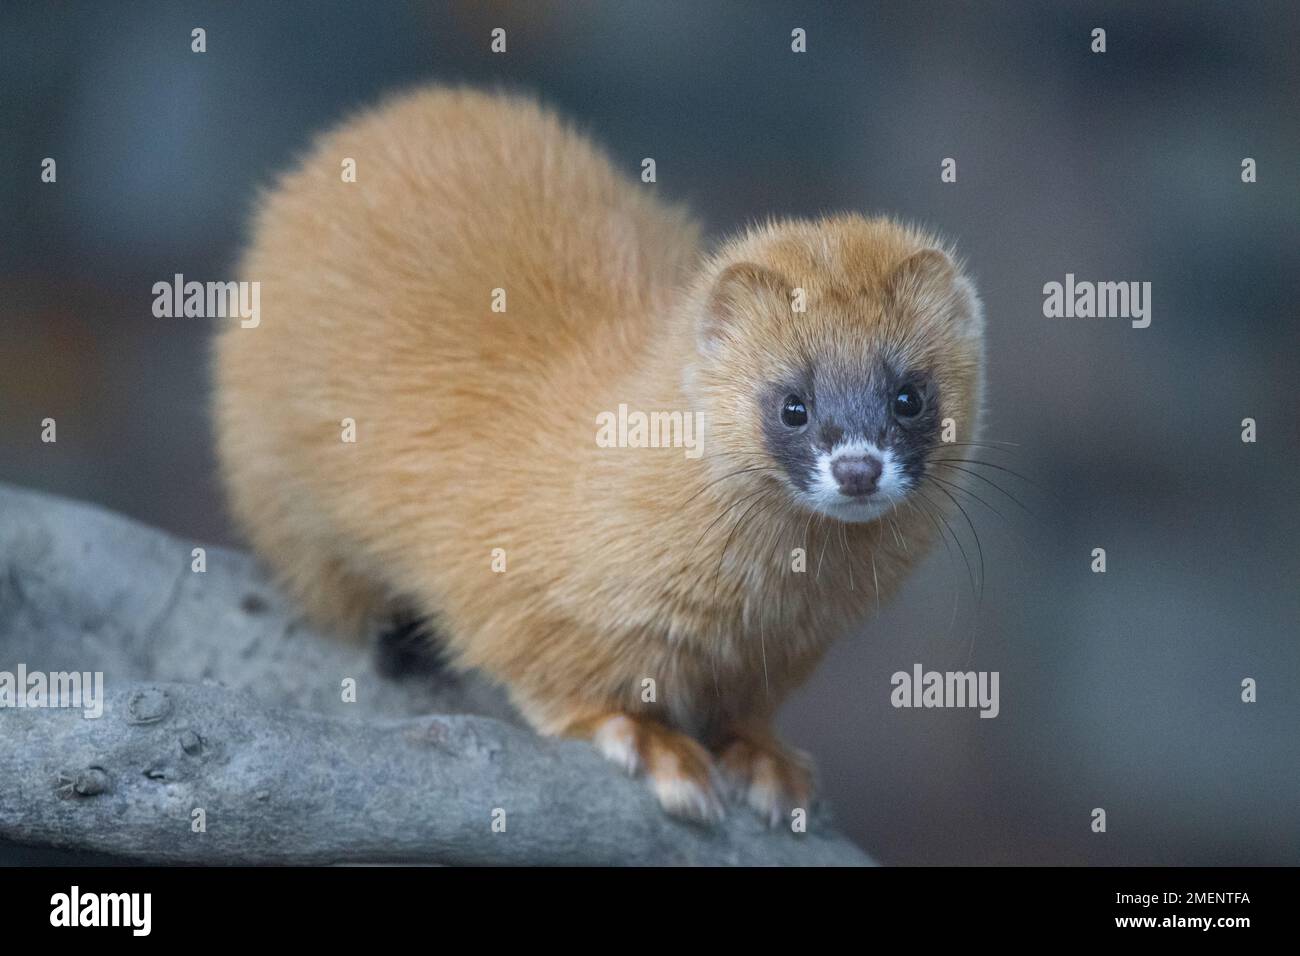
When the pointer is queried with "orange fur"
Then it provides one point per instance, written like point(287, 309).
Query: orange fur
point(476, 430)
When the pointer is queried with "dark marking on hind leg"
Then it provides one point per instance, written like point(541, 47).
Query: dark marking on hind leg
point(409, 647)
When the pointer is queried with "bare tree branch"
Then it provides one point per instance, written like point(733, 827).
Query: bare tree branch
point(219, 700)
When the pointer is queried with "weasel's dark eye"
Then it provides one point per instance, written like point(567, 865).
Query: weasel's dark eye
point(909, 401)
point(793, 412)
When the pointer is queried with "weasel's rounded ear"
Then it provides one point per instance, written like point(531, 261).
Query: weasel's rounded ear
point(927, 267)
point(738, 287)
point(929, 280)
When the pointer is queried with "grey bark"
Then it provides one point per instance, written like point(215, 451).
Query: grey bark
point(217, 698)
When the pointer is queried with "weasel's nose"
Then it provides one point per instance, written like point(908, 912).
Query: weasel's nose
point(856, 474)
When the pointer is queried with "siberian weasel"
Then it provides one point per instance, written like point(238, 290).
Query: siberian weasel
point(659, 601)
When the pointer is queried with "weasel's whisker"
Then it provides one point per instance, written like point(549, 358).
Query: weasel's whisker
point(1003, 468)
point(740, 471)
point(738, 501)
point(956, 539)
point(848, 558)
point(927, 508)
point(806, 526)
point(992, 484)
point(893, 526)
point(958, 486)
point(722, 556)
point(974, 534)
point(822, 553)
point(1020, 541)
point(1002, 446)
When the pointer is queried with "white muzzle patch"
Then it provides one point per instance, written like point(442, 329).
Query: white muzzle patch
point(825, 495)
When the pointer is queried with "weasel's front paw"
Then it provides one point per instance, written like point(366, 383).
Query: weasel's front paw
point(679, 770)
point(770, 777)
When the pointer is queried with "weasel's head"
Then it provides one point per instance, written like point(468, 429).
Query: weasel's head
point(835, 358)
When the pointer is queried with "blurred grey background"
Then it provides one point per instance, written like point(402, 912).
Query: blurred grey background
point(1119, 690)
